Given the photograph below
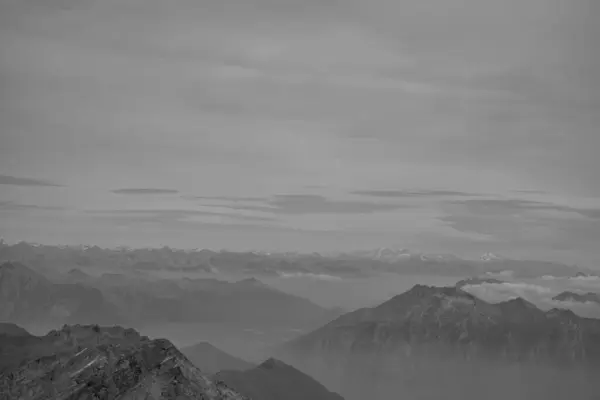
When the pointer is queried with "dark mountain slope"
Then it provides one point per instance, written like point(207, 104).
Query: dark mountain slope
point(12, 330)
point(211, 359)
point(275, 380)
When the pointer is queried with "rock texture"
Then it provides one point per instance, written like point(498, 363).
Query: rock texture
point(88, 362)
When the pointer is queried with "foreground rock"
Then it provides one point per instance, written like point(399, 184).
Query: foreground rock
point(87, 362)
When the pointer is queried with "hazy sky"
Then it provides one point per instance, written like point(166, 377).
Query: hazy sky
point(458, 126)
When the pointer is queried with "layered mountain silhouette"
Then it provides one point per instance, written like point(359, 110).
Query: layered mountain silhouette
point(108, 363)
point(26, 295)
point(589, 297)
point(212, 360)
point(31, 299)
point(275, 380)
point(432, 329)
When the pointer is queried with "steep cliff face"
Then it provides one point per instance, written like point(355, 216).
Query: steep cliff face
point(88, 363)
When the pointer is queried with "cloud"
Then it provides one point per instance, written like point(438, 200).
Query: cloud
point(517, 206)
point(497, 292)
point(298, 204)
point(142, 191)
point(12, 206)
point(227, 198)
point(16, 181)
point(406, 193)
point(320, 277)
point(171, 216)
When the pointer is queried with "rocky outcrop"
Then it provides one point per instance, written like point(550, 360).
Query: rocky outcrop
point(88, 362)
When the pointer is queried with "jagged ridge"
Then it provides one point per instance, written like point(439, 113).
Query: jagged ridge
point(124, 365)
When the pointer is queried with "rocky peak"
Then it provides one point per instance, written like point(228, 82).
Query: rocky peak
point(149, 369)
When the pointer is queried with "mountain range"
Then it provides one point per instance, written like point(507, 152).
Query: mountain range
point(348, 264)
point(396, 346)
point(33, 300)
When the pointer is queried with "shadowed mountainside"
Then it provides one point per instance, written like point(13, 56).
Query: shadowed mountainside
point(212, 360)
point(274, 380)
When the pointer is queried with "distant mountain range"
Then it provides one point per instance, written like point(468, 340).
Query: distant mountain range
point(30, 299)
point(349, 264)
point(93, 362)
point(430, 329)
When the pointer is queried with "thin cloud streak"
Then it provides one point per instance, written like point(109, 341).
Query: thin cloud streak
point(12, 206)
point(17, 181)
point(407, 193)
point(144, 191)
point(298, 204)
point(159, 215)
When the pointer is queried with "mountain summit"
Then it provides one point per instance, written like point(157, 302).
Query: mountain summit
point(429, 333)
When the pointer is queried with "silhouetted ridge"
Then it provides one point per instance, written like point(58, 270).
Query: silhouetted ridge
point(211, 359)
point(276, 380)
point(273, 363)
point(10, 329)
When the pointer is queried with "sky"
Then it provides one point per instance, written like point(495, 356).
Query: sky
point(461, 126)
